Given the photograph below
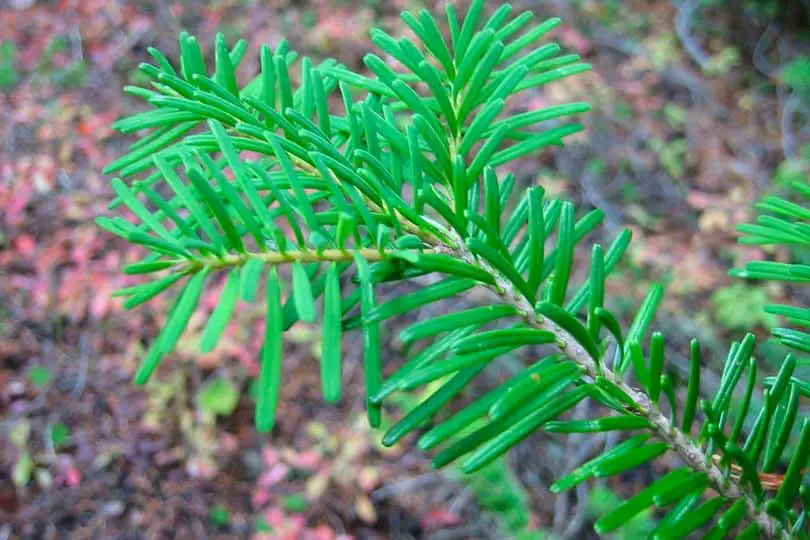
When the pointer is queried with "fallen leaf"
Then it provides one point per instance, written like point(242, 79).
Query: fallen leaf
point(365, 509)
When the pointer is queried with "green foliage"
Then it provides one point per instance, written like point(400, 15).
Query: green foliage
point(40, 376)
point(71, 75)
point(675, 115)
point(723, 62)
point(498, 490)
point(793, 170)
point(266, 185)
point(262, 526)
point(796, 75)
point(220, 517)
point(672, 155)
point(783, 221)
point(23, 470)
point(296, 503)
point(59, 434)
point(9, 74)
point(20, 434)
point(25, 466)
point(740, 307)
point(219, 397)
point(603, 500)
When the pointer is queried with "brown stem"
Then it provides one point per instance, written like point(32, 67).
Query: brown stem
point(277, 257)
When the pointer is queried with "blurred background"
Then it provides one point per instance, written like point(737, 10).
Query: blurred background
point(700, 106)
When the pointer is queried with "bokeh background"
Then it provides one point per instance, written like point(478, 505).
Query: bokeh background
point(700, 107)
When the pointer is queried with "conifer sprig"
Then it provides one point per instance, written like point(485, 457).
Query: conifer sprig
point(271, 186)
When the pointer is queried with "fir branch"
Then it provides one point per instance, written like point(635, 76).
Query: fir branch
point(363, 192)
point(680, 442)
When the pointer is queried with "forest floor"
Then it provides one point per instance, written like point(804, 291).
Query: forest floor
point(688, 129)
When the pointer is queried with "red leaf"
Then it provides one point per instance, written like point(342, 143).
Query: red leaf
point(26, 245)
point(440, 517)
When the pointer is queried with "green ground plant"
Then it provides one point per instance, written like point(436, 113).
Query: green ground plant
point(271, 188)
point(9, 75)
